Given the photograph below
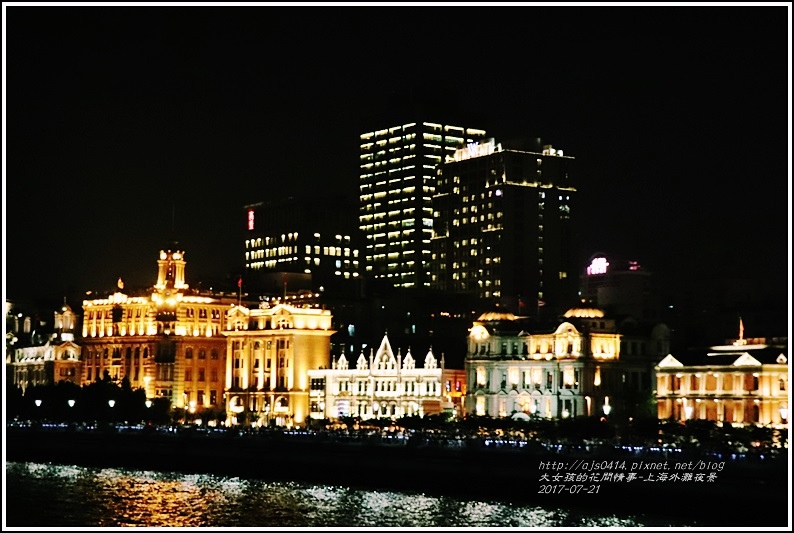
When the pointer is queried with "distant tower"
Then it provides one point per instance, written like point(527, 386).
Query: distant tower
point(619, 286)
point(171, 270)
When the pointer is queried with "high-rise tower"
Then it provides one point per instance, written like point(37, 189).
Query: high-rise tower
point(396, 186)
point(502, 226)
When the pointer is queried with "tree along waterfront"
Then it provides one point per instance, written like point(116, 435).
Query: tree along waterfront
point(107, 404)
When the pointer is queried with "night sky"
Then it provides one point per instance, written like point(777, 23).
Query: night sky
point(123, 123)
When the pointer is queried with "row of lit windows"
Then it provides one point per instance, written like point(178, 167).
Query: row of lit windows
point(409, 212)
point(337, 263)
point(200, 374)
point(287, 237)
point(428, 191)
point(190, 312)
point(406, 246)
point(404, 148)
point(392, 225)
point(431, 125)
point(281, 251)
point(474, 220)
point(379, 133)
point(456, 276)
point(384, 257)
point(107, 313)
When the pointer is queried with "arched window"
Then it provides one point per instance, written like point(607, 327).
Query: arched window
point(189, 353)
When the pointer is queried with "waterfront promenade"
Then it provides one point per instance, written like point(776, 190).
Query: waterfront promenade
point(600, 478)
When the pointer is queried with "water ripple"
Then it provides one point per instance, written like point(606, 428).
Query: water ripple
point(69, 496)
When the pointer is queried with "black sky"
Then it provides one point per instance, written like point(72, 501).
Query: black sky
point(122, 122)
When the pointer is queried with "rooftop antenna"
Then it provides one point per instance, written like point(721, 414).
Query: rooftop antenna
point(741, 340)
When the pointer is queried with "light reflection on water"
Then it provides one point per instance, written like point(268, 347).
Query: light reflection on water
point(69, 496)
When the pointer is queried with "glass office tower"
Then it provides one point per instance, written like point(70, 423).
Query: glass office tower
point(397, 183)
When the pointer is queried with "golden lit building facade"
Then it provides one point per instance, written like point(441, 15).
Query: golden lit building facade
point(385, 385)
point(168, 341)
point(571, 369)
point(269, 353)
point(746, 382)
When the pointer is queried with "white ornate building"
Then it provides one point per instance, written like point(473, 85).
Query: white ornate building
point(385, 385)
point(575, 368)
point(44, 359)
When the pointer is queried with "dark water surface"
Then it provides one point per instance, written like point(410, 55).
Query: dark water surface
point(50, 495)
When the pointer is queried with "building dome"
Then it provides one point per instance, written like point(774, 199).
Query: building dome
point(584, 312)
point(494, 316)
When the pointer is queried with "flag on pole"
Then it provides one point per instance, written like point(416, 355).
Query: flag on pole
point(240, 282)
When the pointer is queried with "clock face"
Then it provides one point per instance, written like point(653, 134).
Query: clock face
point(479, 332)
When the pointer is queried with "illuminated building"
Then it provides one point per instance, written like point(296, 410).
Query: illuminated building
point(270, 350)
point(397, 182)
point(168, 341)
point(502, 226)
point(385, 386)
point(620, 287)
point(308, 241)
point(37, 355)
point(745, 382)
point(573, 368)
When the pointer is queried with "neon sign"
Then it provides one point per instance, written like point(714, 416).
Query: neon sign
point(250, 219)
point(597, 266)
point(475, 149)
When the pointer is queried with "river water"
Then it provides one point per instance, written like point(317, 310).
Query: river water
point(49, 495)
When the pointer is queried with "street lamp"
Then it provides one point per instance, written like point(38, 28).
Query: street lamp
point(71, 403)
point(783, 413)
point(111, 403)
point(148, 403)
point(38, 403)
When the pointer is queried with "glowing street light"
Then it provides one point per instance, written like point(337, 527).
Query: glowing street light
point(148, 403)
point(38, 403)
point(71, 403)
point(607, 407)
point(783, 413)
point(111, 403)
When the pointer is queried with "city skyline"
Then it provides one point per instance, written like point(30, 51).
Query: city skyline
point(125, 128)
